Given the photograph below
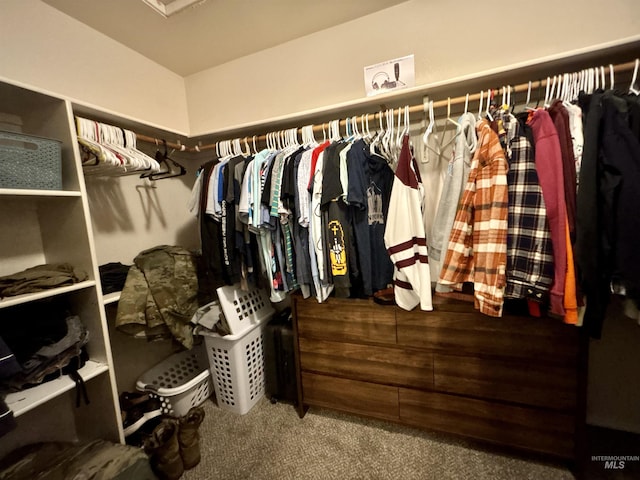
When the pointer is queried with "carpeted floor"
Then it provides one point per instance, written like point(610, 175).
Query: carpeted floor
point(272, 442)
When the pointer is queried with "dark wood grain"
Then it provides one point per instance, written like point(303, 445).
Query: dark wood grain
point(544, 340)
point(380, 401)
point(386, 365)
point(527, 383)
point(346, 320)
point(526, 428)
point(512, 381)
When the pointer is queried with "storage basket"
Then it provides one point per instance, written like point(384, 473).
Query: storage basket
point(180, 382)
point(29, 162)
point(237, 368)
point(237, 360)
point(243, 309)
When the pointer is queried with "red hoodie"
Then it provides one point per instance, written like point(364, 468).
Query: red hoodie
point(548, 160)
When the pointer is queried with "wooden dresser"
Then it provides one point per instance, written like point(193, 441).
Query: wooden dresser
point(515, 381)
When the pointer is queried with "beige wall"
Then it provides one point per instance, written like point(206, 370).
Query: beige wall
point(44, 48)
point(130, 214)
point(448, 39)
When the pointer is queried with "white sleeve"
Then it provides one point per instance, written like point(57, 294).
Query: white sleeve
point(193, 205)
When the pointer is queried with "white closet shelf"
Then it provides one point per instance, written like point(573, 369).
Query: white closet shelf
point(30, 297)
point(111, 297)
point(22, 402)
point(15, 192)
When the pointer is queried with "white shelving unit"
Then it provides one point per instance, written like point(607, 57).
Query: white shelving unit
point(32, 297)
point(22, 402)
point(111, 298)
point(53, 226)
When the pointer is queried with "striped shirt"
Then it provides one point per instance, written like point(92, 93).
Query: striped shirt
point(529, 247)
point(477, 250)
point(404, 235)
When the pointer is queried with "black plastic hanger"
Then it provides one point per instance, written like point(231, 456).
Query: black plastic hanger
point(171, 167)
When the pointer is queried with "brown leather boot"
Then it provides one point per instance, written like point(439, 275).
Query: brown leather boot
point(189, 438)
point(164, 451)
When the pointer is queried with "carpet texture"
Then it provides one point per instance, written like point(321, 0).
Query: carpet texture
point(272, 442)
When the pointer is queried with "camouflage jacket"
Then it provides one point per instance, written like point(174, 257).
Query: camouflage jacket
point(160, 295)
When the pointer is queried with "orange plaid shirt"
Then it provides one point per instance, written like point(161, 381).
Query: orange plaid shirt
point(477, 250)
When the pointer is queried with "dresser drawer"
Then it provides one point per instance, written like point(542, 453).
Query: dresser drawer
point(522, 382)
point(363, 398)
point(527, 428)
point(348, 320)
point(542, 340)
point(388, 365)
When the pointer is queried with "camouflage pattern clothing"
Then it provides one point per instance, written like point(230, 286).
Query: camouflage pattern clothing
point(160, 295)
point(97, 460)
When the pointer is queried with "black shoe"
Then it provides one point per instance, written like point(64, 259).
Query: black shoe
point(138, 438)
point(137, 416)
point(129, 400)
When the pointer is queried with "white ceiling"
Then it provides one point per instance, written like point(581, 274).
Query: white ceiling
point(215, 31)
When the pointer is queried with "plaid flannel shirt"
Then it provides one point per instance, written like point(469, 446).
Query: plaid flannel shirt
point(477, 250)
point(529, 247)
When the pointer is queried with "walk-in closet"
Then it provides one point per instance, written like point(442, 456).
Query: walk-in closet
point(294, 239)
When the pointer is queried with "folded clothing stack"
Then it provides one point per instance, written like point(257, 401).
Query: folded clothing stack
point(112, 277)
point(40, 277)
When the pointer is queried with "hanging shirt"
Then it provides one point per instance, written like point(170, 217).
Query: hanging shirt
point(550, 173)
point(256, 187)
point(344, 171)
point(300, 233)
point(322, 284)
point(577, 134)
point(302, 184)
point(529, 247)
point(245, 209)
point(404, 235)
point(477, 250)
point(608, 227)
point(560, 117)
point(454, 184)
point(193, 205)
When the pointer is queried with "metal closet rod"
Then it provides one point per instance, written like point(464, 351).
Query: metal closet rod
point(523, 87)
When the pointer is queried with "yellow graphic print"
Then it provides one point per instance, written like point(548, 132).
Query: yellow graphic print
point(337, 252)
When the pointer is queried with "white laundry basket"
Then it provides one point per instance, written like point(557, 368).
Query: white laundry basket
point(237, 360)
point(180, 381)
point(244, 309)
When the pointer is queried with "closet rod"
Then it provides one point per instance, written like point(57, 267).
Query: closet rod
point(158, 142)
point(318, 128)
